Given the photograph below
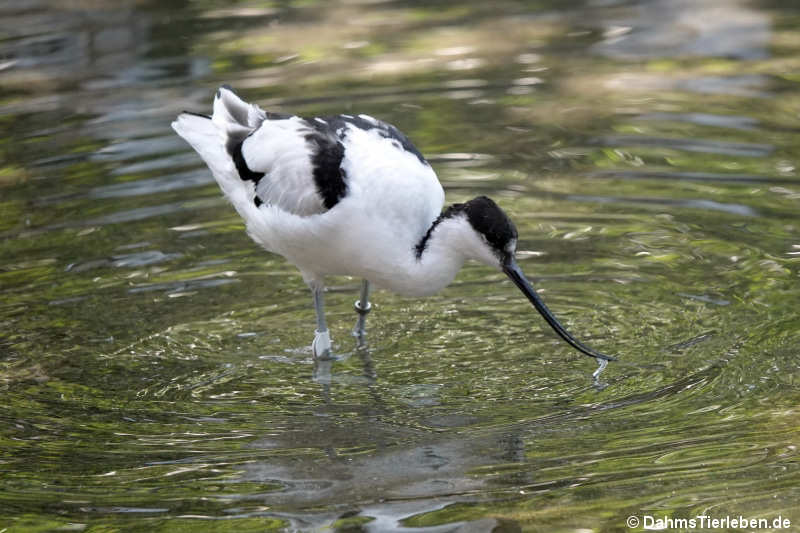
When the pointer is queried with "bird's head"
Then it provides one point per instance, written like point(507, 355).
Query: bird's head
point(494, 242)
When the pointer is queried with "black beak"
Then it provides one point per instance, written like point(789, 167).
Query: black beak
point(513, 271)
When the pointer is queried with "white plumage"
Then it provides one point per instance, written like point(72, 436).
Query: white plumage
point(392, 198)
point(349, 195)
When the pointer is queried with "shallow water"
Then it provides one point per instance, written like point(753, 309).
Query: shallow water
point(155, 365)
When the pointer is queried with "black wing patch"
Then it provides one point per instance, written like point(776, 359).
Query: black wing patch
point(325, 138)
point(326, 161)
point(235, 151)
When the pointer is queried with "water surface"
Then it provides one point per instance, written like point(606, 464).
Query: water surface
point(155, 364)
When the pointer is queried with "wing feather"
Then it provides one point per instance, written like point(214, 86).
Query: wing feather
point(299, 164)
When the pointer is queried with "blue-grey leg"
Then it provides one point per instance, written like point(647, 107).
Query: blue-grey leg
point(322, 338)
point(363, 308)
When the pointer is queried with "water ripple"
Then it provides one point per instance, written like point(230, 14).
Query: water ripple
point(693, 203)
point(706, 146)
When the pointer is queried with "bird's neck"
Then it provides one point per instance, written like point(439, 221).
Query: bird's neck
point(441, 253)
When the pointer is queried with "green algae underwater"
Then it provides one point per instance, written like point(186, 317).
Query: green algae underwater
point(155, 366)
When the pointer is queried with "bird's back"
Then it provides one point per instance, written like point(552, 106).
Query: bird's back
point(351, 185)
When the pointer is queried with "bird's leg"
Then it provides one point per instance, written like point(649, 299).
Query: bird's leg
point(363, 307)
point(322, 338)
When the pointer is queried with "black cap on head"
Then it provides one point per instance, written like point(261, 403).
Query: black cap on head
point(486, 218)
point(490, 221)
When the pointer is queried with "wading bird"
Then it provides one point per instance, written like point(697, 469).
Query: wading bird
point(350, 195)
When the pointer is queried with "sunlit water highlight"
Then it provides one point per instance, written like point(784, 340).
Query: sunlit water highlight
point(155, 365)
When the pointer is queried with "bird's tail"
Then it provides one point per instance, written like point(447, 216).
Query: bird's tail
point(207, 140)
point(211, 136)
point(234, 115)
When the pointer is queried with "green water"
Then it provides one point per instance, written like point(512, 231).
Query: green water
point(155, 369)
